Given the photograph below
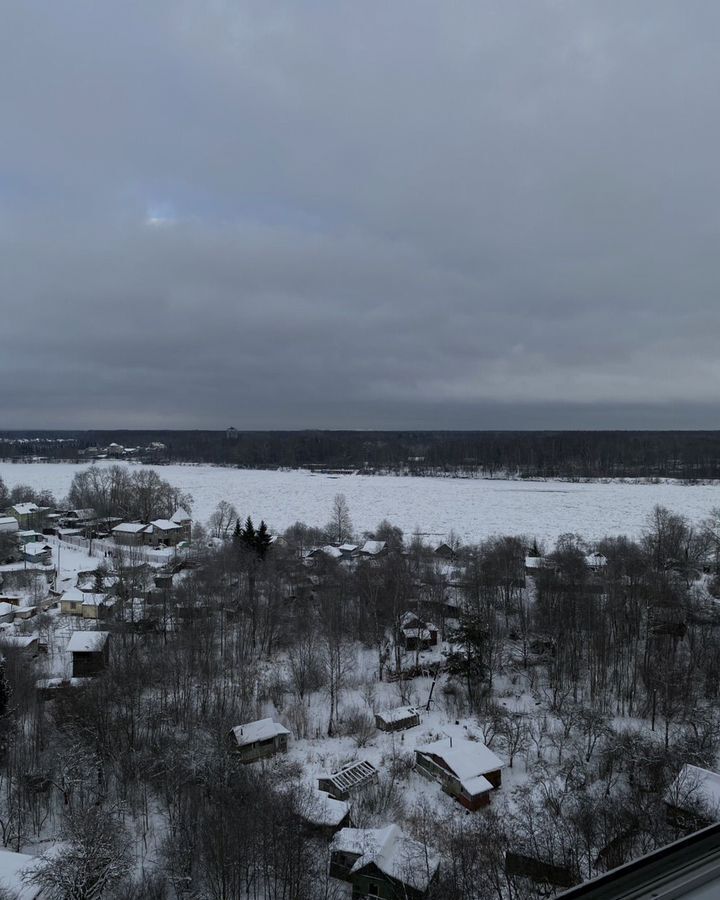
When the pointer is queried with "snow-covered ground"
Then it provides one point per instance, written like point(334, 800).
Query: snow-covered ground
point(474, 508)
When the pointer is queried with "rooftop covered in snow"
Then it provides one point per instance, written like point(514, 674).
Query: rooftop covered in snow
point(87, 641)
point(254, 732)
point(391, 851)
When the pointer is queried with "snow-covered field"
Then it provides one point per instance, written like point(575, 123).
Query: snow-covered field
point(474, 508)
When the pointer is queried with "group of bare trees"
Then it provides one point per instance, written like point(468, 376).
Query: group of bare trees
point(134, 494)
point(600, 681)
point(23, 493)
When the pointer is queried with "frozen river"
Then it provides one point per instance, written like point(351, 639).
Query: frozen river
point(474, 508)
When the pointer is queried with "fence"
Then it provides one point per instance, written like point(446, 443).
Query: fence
point(107, 549)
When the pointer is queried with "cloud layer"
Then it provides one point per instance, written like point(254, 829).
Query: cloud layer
point(315, 214)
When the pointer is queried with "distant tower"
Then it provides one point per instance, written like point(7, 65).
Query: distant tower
point(232, 434)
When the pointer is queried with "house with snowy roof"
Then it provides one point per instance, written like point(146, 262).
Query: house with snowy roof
point(416, 633)
point(383, 862)
point(324, 814)
point(37, 552)
point(28, 515)
point(90, 652)
point(9, 525)
point(73, 600)
point(693, 798)
point(131, 534)
point(467, 770)
point(76, 517)
point(183, 518)
point(259, 740)
point(166, 532)
point(373, 549)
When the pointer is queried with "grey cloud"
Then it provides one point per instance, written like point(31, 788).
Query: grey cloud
point(359, 215)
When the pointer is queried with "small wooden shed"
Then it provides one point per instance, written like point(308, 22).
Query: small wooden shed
point(259, 740)
point(90, 652)
point(397, 719)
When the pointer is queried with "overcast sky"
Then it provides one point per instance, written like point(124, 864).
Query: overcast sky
point(388, 213)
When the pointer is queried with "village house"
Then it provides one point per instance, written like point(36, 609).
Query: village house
point(97, 607)
point(37, 552)
point(165, 532)
point(28, 644)
point(398, 719)
point(131, 534)
point(24, 612)
point(7, 612)
point(259, 740)
point(416, 634)
point(693, 799)
point(90, 652)
point(467, 770)
point(182, 518)
point(373, 549)
point(28, 515)
point(9, 525)
point(349, 780)
point(29, 537)
point(445, 551)
point(72, 600)
point(383, 862)
point(77, 518)
point(324, 814)
point(534, 564)
point(349, 551)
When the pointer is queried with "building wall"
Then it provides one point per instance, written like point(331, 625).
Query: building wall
point(263, 750)
point(410, 722)
point(71, 607)
point(86, 665)
point(127, 539)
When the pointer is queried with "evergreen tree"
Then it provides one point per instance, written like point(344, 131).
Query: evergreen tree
point(470, 662)
point(262, 540)
point(248, 537)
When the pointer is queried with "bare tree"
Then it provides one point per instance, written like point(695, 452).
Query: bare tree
point(223, 520)
point(94, 859)
point(340, 525)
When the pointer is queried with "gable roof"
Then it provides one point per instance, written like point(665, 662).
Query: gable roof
point(9, 523)
point(165, 524)
point(24, 509)
point(131, 527)
point(261, 730)
point(391, 851)
point(87, 641)
point(372, 548)
point(467, 760)
point(181, 516)
point(75, 595)
point(36, 548)
point(322, 809)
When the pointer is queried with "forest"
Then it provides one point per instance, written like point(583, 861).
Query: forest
point(527, 454)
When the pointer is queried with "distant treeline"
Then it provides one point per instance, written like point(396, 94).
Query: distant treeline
point(544, 454)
